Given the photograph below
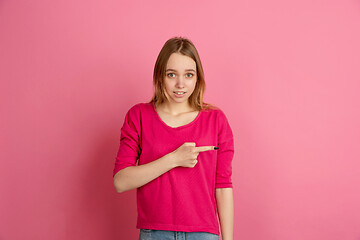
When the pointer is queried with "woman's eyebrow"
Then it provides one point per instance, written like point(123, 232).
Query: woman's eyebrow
point(173, 70)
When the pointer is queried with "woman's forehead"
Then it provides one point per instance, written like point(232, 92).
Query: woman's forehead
point(180, 62)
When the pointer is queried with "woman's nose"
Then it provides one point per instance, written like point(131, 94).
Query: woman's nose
point(180, 81)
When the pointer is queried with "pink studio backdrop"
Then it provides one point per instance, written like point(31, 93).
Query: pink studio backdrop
point(286, 74)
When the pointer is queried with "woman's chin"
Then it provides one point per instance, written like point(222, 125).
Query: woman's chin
point(179, 100)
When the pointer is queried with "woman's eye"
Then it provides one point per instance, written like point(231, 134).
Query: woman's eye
point(189, 75)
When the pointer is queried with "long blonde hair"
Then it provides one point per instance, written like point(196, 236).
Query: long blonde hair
point(186, 47)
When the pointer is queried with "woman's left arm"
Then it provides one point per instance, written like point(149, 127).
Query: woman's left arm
point(225, 204)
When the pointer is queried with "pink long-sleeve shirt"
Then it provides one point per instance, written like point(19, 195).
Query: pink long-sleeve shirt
point(182, 199)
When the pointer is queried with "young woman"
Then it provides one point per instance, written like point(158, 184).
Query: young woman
point(177, 151)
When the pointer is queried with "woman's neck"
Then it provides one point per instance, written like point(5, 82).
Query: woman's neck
point(175, 108)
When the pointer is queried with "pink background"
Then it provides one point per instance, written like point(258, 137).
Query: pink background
point(286, 74)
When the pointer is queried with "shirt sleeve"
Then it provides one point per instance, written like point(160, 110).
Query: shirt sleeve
point(225, 153)
point(130, 138)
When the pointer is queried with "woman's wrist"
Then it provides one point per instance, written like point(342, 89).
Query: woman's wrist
point(170, 159)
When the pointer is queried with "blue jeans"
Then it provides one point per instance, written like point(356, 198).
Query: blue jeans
point(150, 234)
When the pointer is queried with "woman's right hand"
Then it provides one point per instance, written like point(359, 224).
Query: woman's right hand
point(186, 154)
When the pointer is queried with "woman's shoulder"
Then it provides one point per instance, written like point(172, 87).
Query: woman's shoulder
point(207, 107)
point(216, 111)
point(138, 108)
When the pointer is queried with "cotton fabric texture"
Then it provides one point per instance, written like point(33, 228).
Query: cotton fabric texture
point(182, 199)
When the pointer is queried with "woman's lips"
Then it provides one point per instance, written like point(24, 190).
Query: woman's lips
point(179, 95)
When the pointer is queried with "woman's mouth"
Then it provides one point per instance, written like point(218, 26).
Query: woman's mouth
point(179, 93)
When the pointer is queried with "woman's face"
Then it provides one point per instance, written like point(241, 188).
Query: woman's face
point(180, 76)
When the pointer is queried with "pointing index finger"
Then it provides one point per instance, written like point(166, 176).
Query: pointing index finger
point(205, 148)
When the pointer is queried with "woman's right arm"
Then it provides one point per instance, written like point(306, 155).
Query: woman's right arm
point(137, 176)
